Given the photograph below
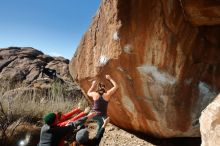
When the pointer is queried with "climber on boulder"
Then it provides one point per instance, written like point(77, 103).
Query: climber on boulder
point(101, 99)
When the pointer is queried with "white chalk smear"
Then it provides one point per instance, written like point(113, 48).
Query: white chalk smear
point(115, 36)
point(120, 68)
point(127, 103)
point(103, 60)
point(206, 93)
point(128, 49)
point(158, 76)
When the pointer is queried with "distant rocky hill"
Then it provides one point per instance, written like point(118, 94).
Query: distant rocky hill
point(26, 69)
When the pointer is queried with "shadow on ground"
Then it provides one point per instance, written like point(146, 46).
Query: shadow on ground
point(181, 141)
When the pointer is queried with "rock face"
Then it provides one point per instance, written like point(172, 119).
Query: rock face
point(24, 64)
point(20, 71)
point(210, 124)
point(202, 12)
point(164, 56)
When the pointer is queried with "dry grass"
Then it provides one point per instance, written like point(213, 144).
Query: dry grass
point(36, 105)
point(31, 107)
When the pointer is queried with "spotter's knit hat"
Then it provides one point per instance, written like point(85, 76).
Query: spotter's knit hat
point(49, 118)
point(82, 136)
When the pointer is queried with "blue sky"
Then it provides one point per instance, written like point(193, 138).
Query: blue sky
point(54, 27)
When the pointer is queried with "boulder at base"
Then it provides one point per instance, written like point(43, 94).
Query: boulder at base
point(210, 124)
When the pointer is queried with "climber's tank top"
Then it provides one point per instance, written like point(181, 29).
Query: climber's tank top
point(100, 106)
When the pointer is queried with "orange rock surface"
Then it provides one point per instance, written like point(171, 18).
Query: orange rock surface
point(164, 54)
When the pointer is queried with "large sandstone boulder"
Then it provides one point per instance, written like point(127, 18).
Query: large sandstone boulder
point(210, 124)
point(164, 58)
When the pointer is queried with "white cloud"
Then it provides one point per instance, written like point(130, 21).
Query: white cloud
point(55, 54)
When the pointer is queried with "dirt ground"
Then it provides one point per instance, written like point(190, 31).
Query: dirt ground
point(113, 136)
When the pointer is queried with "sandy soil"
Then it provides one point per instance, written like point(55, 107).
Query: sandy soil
point(115, 136)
